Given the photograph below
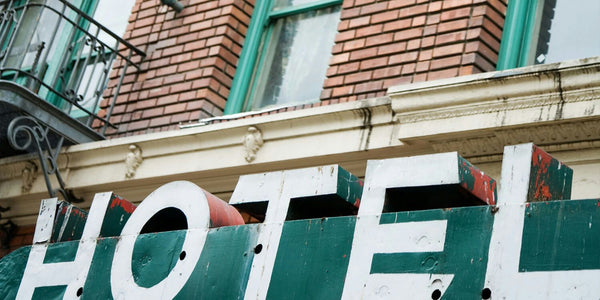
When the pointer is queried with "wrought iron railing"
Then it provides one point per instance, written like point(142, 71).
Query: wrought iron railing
point(64, 56)
point(55, 64)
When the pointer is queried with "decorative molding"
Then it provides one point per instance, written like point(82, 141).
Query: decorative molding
point(252, 142)
point(494, 142)
point(548, 87)
point(133, 160)
point(12, 169)
point(28, 176)
point(498, 105)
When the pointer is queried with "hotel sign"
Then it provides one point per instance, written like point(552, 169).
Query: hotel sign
point(424, 227)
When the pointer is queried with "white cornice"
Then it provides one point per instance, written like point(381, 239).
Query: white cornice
point(546, 104)
point(556, 106)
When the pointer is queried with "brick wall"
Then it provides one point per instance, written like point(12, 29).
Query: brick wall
point(190, 63)
point(23, 237)
point(192, 55)
point(386, 43)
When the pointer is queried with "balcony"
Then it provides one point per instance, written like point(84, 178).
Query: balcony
point(55, 64)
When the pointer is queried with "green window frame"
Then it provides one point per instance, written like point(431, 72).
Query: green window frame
point(254, 48)
point(528, 28)
point(519, 26)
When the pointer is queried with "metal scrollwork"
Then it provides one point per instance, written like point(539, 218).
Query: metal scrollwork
point(73, 96)
point(25, 132)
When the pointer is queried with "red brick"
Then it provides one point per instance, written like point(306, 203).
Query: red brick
point(466, 70)
point(452, 25)
point(349, 67)
point(373, 63)
point(354, 44)
point(175, 108)
point(397, 25)
point(343, 25)
point(455, 3)
point(195, 45)
point(363, 2)
point(403, 58)
point(483, 64)
point(160, 121)
point(188, 66)
point(452, 37)
point(332, 70)
point(373, 8)
point(347, 4)
point(368, 87)
point(418, 21)
point(344, 36)
point(397, 81)
point(413, 44)
point(413, 11)
point(350, 13)
point(434, 6)
point(427, 41)
point(363, 53)
point(358, 77)
point(325, 93)
point(343, 90)
point(408, 34)
point(369, 30)
point(456, 13)
point(337, 48)
point(448, 50)
point(422, 66)
point(379, 39)
point(425, 54)
point(400, 3)
point(142, 124)
point(408, 68)
point(448, 73)
point(182, 117)
point(384, 16)
point(492, 28)
point(447, 62)
point(419, 77)
point(387, 72)
point(333, 81)
point(358, 22)
point(391, 48)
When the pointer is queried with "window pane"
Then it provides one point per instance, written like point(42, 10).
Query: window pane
point(572, 32)
point(296, 58)
point(286, 3)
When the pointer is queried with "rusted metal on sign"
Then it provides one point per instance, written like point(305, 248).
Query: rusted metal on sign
point(117, 213)
point(68, 224)
point(476, 182)
point(457, 246)
point(443, 180)
point(550, 179)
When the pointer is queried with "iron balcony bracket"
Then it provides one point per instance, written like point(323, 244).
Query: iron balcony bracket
point(25, 132)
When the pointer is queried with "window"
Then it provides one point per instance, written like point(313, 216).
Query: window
point(547, 31)
point(284, 62)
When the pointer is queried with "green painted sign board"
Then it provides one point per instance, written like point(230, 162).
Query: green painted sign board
point(533, 243)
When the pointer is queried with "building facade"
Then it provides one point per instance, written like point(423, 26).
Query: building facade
point(233, 87)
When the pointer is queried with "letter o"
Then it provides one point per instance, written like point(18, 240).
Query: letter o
point(189, 199)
